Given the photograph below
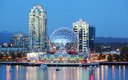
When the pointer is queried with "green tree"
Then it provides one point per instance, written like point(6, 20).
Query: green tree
point(99, 57)
point(19, 55)
point(1, 55)
point(124, 53)
point(13, 55)
point(109, 58)
point(116, 57)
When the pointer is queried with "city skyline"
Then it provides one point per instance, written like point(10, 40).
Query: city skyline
point(108, 20)
point(63, 40)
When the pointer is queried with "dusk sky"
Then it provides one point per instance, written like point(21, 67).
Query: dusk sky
point(110, 17)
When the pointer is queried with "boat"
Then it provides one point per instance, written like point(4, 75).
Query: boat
point(57, 69)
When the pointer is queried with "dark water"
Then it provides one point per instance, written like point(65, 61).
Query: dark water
point(66, 73)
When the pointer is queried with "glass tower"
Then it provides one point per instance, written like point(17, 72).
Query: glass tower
point(37, 29)
point(92, 38)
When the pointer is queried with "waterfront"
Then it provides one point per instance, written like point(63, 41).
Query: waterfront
point(105, 72)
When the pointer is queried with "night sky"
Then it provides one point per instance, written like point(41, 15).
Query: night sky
point(110, 17)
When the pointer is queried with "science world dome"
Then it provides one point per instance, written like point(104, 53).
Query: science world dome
point(63, 39)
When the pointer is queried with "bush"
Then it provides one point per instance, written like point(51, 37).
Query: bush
point(1, 56)
point(116, 57)
point(110, 58)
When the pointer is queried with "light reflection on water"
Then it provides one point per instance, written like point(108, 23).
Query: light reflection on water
point(66, 73)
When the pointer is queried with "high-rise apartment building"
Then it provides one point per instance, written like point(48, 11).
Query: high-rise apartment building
point(81, 29)
point(37, 29)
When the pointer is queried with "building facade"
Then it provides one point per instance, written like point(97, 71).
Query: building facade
point(19, 40)
point(37, 29)
point(81, 29)
point(92, 38)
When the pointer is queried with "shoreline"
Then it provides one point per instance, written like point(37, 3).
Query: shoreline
point(62, 64)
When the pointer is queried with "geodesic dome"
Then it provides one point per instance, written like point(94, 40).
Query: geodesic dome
point(63, 39)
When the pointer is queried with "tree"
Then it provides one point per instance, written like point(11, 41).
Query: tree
point(13, 55)
point(103, 56)
point(124, 53)
point(19, 55)
point(109, 58)
point(116, 57)
point(124, 50)
point(1, 55)
point(99, 57)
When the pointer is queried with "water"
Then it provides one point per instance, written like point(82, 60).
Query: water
point(65, 73)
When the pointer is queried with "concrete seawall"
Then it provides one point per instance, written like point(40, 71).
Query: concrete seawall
point(62, 64)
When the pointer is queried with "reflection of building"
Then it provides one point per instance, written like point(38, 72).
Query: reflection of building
point(19, 40)
point(81, 28)
point(92, 38)
point(37, 29)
